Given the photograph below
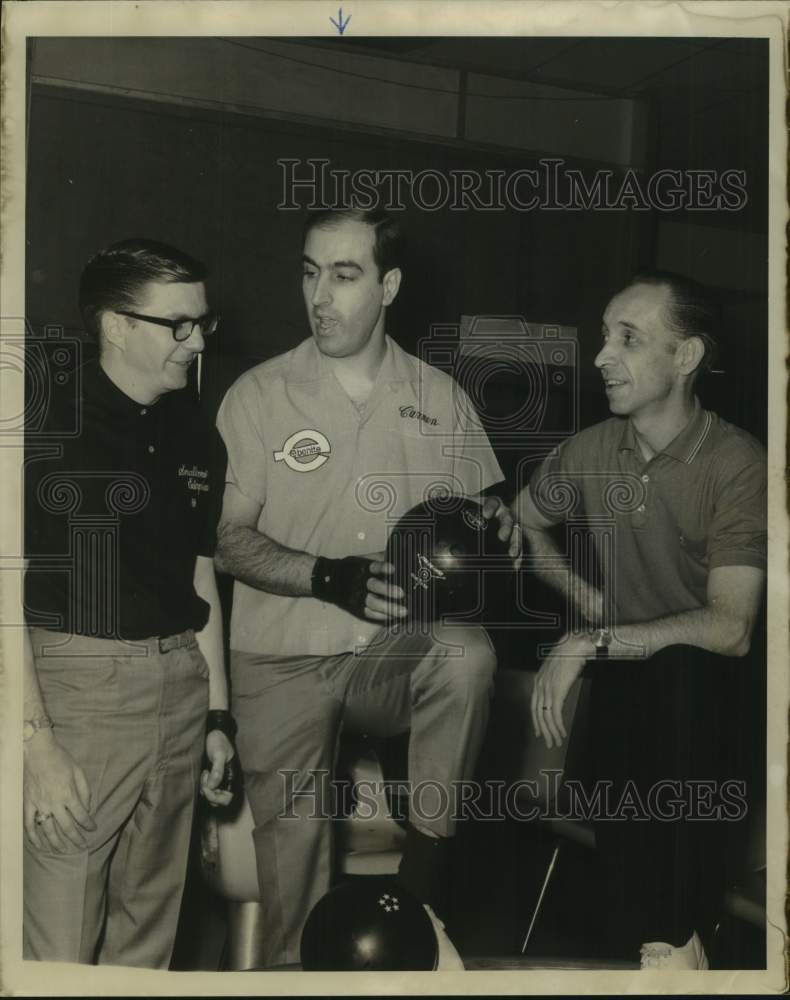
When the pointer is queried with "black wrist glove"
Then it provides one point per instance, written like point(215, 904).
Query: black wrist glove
point(343, 582)
point(222, 720)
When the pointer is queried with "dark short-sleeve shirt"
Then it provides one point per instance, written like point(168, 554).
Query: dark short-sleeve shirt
point(660, 526)
point(118, 505)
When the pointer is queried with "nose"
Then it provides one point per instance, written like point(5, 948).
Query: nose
point(321, 293)
point(604, 357)
point(195, 342)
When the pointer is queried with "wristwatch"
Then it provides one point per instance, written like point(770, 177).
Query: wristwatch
point(31, 726)
point(603, 639)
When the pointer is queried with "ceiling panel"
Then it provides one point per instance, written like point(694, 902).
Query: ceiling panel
point(513, 57)
point(613, 66)
point(616, 63)
point(718, 70)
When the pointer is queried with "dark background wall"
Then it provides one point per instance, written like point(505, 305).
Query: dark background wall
point(170, 164)
point(177, 140)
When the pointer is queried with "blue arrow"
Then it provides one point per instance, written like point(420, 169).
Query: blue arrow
point(340, 24)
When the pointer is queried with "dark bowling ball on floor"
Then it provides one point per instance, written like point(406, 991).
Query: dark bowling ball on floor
point(372, 925)
point(445, 553)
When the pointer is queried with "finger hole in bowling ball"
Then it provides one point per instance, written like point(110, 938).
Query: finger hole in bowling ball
point(368, 925)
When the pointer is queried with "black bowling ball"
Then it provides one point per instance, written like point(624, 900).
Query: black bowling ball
point(368, 926)
point(444, 552)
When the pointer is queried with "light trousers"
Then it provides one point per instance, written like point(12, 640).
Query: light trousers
point(290, 711)
point(135, 725)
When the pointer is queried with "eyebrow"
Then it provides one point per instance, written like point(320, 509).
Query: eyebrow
point(627, 326)
point(338, 263)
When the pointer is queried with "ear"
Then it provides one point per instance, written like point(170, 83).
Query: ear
point(689, 355)
point(391, 283)
point(112, 330)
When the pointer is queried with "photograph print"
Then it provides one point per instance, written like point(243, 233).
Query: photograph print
point(392, 481)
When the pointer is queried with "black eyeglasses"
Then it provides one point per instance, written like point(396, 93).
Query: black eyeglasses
point(182, 329)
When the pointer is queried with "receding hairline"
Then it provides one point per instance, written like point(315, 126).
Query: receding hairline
point(344, 260)
point(338, 223)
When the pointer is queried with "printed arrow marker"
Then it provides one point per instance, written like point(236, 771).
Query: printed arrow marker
point(340, 24)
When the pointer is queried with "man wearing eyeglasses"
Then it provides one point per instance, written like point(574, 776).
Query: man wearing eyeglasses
point(125, 684)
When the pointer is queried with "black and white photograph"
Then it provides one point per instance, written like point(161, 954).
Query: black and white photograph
point(394, 424)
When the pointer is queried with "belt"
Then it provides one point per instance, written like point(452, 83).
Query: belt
point(176, 641)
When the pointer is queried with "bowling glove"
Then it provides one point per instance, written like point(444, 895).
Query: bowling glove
point(343, 582)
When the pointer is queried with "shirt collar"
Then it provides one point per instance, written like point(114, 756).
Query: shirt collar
point(309, 365)
point(98, 386)
point(685, 446)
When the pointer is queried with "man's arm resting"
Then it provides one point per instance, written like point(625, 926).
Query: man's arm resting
point(547, 563)
point(724, 625)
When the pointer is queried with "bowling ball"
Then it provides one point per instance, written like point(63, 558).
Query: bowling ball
point(371, 925)
point(443, 550)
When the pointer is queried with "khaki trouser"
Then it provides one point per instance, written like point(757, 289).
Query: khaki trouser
point(135, 725)
point(290, 711)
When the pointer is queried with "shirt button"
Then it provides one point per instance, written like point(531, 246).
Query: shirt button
point(361, 536)
point(143, 412)
point(645, 479)
point(151, 449)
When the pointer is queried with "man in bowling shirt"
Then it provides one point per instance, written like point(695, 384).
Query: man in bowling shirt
point(676, 499)
point(125, 686)
point(326, 449)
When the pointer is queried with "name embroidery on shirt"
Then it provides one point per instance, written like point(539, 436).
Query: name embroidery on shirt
point(305, 451)
point(194, 477)
point(410, 411)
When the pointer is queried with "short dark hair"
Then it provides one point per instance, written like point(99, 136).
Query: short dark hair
point(112, 279)
point(692, 312)
point(388, 242)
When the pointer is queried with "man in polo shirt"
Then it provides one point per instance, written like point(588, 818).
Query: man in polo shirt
point(326, 450)
point(676, 501)
point(123, 651)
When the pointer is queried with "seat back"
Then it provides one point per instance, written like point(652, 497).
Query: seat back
point(514, 754)
point(228, 854)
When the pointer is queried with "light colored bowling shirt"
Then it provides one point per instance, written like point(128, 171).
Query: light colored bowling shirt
point(332, 479)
